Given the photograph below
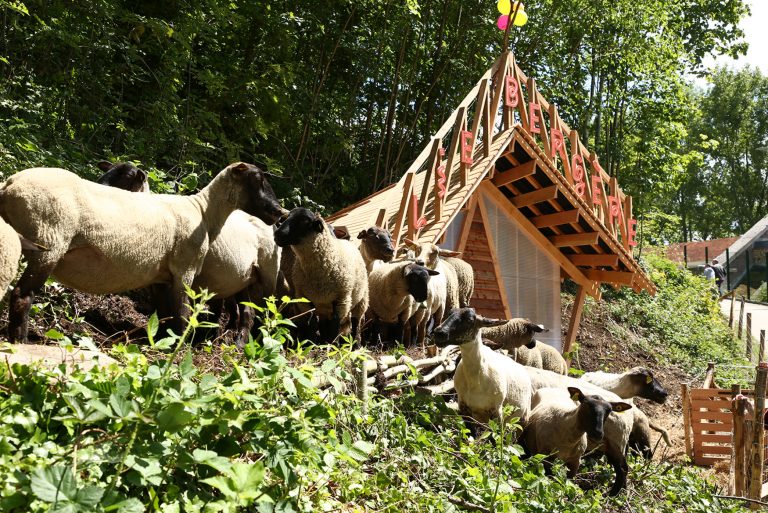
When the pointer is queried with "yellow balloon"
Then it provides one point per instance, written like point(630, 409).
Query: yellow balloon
point(521, 18)
point(504, 6)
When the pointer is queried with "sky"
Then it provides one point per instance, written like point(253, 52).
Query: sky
point(756, 34)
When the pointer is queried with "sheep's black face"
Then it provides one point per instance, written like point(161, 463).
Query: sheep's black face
point(260, 200)
point(648, 386)
point(300, 224)
point(378, 241)
point(598, 411)
point(461, 327)
point(123, 175)
point(417, 278)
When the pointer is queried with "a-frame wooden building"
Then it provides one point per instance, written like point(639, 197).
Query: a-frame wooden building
point(510, 185)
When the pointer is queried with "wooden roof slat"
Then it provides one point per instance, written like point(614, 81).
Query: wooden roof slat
point(539, 196)
point(574, 239)
point(556, 219)
point(620, 277)
point(516, 173)
point(595, 260)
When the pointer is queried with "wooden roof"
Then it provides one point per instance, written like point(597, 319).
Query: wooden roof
point(498, 140)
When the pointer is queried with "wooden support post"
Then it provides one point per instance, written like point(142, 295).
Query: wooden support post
point(761, 350)
point(573, 324)
point(757, 456)
point(749, 336)
point(685, 394)
point(730, 317)
point(738, 410)
point(361, 373)
point(709, 377)
point(741, 317)
point(728, 267)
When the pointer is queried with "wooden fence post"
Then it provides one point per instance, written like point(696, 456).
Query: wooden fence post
point(749, 336)
point(738, 409)
point(687, 419)
point(709, 376)
point(362, 385)
point(757, 452)
point(730, 318)
point(741, 316)
point(761, 352)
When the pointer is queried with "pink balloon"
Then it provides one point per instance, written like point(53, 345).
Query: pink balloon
point(502, 22)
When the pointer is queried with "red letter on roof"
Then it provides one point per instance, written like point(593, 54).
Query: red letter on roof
point(511, 96)
point(534, 117)
point(597, 190)
point(466, 147)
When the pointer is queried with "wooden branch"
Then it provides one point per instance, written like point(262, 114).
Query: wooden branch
point(594, 260)
point(686, 397)
point(539, 196)
point(575, 239)
point(556, 219)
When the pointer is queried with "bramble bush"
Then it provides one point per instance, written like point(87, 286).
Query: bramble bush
point(156, 434)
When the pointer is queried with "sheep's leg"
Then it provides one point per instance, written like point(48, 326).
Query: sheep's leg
point(23, 295)
point(327, 325)
point(573, 468)
point(245, 322)
point(357, 317)
point(180, 307)
point(617, 460)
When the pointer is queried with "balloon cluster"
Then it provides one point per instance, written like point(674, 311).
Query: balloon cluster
point(507, 10)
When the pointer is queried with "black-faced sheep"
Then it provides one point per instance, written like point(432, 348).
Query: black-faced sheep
point(393, 290)
point(514, 333)
point(636, 382)
point(329, 272)
point(376, 244)
point(96, 242)
point(428, 255)
point(485, 380)
point(641, 438)
point(560, 428)
point(123, 175)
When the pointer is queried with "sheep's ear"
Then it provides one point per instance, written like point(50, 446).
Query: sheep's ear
point(538, 328)
point(409, 243)
point(648, 379)
point(104, 165)
point(432, 272)
point(620, 407)
point(341, 233)
point(484, 322)
point(363, 234)
point(239, 168)
point(318, 224)
point(31, 246)
point(449, 253)
point(576, 394)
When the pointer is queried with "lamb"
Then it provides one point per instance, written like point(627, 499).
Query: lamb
point(485, 380)
point(465, 275)
point(123, 175)
point(11, 243)
point(514, 333)
point(636, 382)
point(393, 290)
point(96, 242)
point(618, 429)
point(375, 245)
point(328, 271)
point(557, 427)
point(551, 359)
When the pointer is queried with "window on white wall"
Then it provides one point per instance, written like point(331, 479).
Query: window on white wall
point(531, 277)
point(453, 232)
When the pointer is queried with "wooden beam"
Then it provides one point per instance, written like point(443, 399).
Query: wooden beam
point(575, 239)
point(467, 224)
point(621, 277)
point(404, 203)
point(573, 324)
point(539, 238)
point(595, 260)
point(495, 259)
point(556, 219)
point(531, 198)
point(516, 173)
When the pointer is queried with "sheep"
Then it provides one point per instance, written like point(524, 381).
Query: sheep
point(96, 243)
point(123, 175)
point(465, 275)
point(485, 380)
point(242, 263)
point(636, 382)
point(393, 290)
point(328, 271)
point(551, 359)
point(557, 427)
point(11, 245)
point(617, 428)
point(514, 333)
point(640, 437)
point(375, 245)
point(428, 255)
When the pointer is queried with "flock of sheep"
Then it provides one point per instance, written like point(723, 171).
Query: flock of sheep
point(115, 236)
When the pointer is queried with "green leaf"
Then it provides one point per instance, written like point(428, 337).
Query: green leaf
point(121, 405)
point(174, 417)
point(54, 483)
point(152, 326)
point(54, 335)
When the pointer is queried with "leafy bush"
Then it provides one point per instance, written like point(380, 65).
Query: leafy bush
point(162, 436)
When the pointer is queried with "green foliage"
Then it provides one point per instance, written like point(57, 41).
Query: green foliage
point(682, 322)
point(159, 435)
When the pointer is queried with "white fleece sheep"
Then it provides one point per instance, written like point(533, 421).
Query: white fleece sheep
point(617, 428)
point(11, 244)
point(559, 427)
point(514, 333)
point(105, 240)
point(465, 276)
point(428, 255)
point(328, 271)
point(636, 382)
point(485, 380)
point(640, 439)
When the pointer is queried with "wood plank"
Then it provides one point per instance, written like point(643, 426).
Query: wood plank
point(574, 239)
point(469, 221)
point(718, 393)
point(712, 449)
point(573, 324)
point(404, 203)
point(487, 303)
point(624, 278)
point(531, 198)
point(516, 173)
point(494, 256)
point(712, 438)
point(710, 405)
point(686, 400)
point(557, 219)
point(708, 461)
point(725, 418)
point(594, 260)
